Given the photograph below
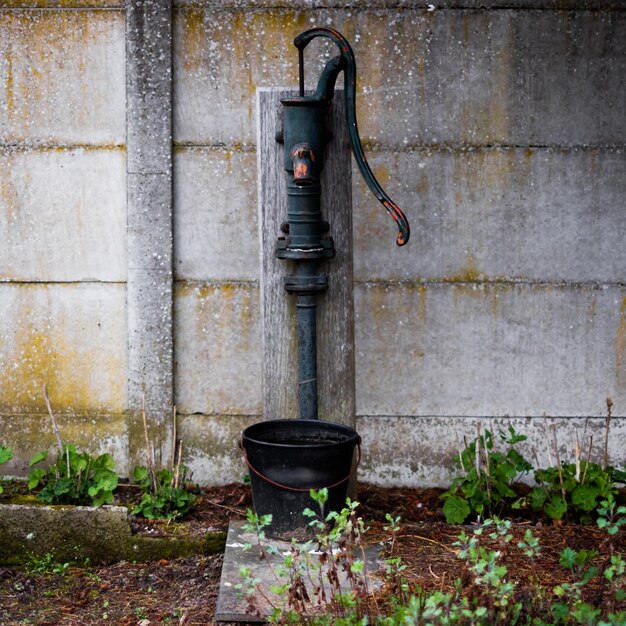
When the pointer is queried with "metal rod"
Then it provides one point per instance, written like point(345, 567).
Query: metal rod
point(301, 71)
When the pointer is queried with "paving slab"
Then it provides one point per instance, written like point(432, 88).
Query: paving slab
point(232, 604)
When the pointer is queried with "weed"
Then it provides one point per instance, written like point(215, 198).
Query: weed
point(164, 493)
point(76, 477)
point(46, 564)
point(575, 489)
point(6, 454)
point(487, 476)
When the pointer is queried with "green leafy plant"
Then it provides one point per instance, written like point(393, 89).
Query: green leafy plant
point(6, 454)
point(163, 497)
point(46, 564)
point(487, 475)
point(570, 603)
point(574, 490)
point(328, 573)
point(75, 478)
point(164, 490)
point(611, 518)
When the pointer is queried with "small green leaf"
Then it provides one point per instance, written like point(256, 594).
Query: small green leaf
point(38, 458)
point(6, 454)
point(568, 558)
point(34, 478)
point(556, 508)
point(456, 510)
point(584, 497)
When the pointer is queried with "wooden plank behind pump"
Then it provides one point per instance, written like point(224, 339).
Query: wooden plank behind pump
point(335, 308)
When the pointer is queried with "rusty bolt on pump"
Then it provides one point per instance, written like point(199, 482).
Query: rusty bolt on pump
point(306, 239)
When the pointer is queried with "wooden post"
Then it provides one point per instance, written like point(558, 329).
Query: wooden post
point(335, 307)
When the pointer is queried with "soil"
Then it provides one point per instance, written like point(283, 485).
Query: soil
point(184, 591)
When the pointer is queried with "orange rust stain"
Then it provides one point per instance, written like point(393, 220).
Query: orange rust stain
point(300, 170)
point(10, 83)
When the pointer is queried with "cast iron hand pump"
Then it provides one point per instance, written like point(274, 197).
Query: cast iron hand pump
point(307, 240)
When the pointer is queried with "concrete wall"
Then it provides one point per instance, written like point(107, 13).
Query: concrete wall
point(501, 133)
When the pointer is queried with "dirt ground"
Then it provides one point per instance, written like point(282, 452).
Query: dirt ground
point(184, 591)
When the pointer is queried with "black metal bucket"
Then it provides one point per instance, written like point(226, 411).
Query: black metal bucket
point(287, 458)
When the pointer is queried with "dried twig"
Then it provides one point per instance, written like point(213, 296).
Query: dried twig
point(174, 435)
point(179, 461)
point(55, 426)
point(607, 425)
point(588, 457)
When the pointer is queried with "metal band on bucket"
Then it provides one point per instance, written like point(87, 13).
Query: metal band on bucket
point(300, 489)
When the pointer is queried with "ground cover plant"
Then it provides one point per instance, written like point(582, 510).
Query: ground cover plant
point(184, 591)
point(511, 563)
point(324, 581)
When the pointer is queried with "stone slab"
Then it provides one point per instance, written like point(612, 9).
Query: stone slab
point(211, 446)
point(488, 349)
point(63, 215)
point(490, 214)
point(233, 606)
point(217, 348)
point(62, 77)
point(102, 535)
point(420, 451)
point(509, 77)
point(215, 221)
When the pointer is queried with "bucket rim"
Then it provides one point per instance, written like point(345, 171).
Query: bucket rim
point(352, 436)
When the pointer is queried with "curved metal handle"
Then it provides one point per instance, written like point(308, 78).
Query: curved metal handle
point(349, 71)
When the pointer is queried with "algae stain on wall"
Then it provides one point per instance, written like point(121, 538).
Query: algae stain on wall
point(76, 353)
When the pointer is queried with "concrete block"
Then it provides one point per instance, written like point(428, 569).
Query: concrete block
point(150, 222)
point(103, 535)
point(215, 222)
point(426, 77)
point(491, 214)
point(71, 337)
point(217, 348)
point(211, 446)
point(62, 76)
point(63, 215)
point(473, 350)
point(30, 433)
point(420, 451)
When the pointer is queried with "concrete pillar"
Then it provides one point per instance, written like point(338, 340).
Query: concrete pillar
point(149, 192)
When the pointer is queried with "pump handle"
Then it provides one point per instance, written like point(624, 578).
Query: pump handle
point(349, 72)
